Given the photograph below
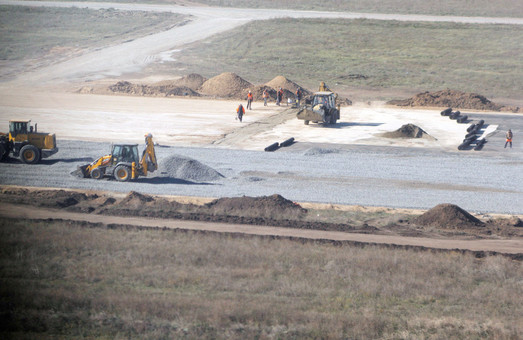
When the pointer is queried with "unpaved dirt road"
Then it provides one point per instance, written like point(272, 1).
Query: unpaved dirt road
point(514, 246)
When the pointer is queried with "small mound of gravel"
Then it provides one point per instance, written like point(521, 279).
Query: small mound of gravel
point(319, 151)
point(188, 169)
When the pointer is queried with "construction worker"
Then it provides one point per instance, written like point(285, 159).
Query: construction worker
point(240, 112)
point(323, 87)
point(279, 96)
point(249, 100)
point(509, 138)
point(265, 96)
point(298, 96)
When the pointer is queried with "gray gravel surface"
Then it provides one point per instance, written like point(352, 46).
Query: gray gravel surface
point(484, 181)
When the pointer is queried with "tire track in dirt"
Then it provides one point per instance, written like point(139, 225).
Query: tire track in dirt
point(501, 246)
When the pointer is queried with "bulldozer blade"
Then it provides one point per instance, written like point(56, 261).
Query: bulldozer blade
point(81, 171)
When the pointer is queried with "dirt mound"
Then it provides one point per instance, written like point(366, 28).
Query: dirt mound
point(284, 83)
point(448, 216)
point(407, 131)
point(188, 169)
point(449, 98)
point(273, 206)
point(126, 87)
point(193, 81)
point(136, 198)
point(225, 85)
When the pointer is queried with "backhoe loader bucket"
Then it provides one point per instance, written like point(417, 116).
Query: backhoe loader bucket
point(81, 171)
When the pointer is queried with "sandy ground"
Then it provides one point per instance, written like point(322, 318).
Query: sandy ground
point(200, 122)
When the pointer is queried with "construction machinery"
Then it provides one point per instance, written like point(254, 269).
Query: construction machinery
point(321, 108)
point(123, 163)
point(25, 142)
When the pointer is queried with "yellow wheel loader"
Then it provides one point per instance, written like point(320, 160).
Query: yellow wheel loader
point(123, 163)
point(24, 142)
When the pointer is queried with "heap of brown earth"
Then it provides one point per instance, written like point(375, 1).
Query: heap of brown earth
point(226, 85)
point(443, 220)
point(454, 99)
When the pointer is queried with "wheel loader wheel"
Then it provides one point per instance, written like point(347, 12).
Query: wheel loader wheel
point(96, 174)
point(306, 122)
point(4, 152)
point(122, 173)
point(30, 154)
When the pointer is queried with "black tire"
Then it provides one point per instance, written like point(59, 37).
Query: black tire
point(306, 122)
point(29, 154)
point(96, 173)
point(4, 151)
point(122, 173)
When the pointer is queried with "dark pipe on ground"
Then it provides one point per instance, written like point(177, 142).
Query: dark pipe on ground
point(462, 119)
point(287, 142)
point(471, 127)
point(446, 112)
point(272, 147)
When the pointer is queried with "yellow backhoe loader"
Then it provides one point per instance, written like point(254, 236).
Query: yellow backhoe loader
point(24, 142)
point(123, 163)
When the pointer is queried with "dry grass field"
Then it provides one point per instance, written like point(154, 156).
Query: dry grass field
point(352, 55)
point(65, 280)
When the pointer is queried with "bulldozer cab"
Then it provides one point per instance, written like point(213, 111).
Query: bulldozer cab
point(126, 153)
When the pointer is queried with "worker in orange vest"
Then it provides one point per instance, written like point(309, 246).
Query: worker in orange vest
point(508, 138)
point(240, 111)
point(265, 96)
point(249, 100)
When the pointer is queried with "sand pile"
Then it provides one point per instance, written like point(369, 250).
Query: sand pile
point(193, 81)
point(188, 169)
point(407, 131)
point(286, 84)
point(126, 87)
point(449, 98)
point(273, 206)
point(225, 85)
point(448, 216)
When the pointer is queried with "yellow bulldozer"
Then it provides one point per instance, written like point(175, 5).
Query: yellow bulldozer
point(123, 163)
point(25, 142)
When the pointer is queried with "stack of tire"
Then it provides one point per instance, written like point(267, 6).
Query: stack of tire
point(472, 130)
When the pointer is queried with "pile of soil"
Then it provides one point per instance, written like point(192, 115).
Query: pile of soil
point(449, 98)
point(288, 86)
point(273, 206)
point(407, 131)
point(448, 216)
point(225, 85)
point(126, 87)
point(193, 81)
point(188, 169)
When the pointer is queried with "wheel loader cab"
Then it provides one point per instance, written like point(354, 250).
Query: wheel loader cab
point(125, 153)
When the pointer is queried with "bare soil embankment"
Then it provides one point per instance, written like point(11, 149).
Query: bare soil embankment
point(442, 221)
point(453, 99)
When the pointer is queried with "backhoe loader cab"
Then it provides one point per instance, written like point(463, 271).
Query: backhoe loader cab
point(123, 163)
point(323, 108)
point(25, 142)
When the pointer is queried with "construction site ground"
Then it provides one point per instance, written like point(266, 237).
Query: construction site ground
point(349, 163)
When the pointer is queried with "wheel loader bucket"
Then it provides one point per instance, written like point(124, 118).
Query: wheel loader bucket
point(81, 171)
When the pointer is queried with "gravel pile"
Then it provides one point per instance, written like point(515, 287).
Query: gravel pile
point(188, 169)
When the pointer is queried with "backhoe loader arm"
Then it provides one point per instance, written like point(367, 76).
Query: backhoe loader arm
point(148, 161)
